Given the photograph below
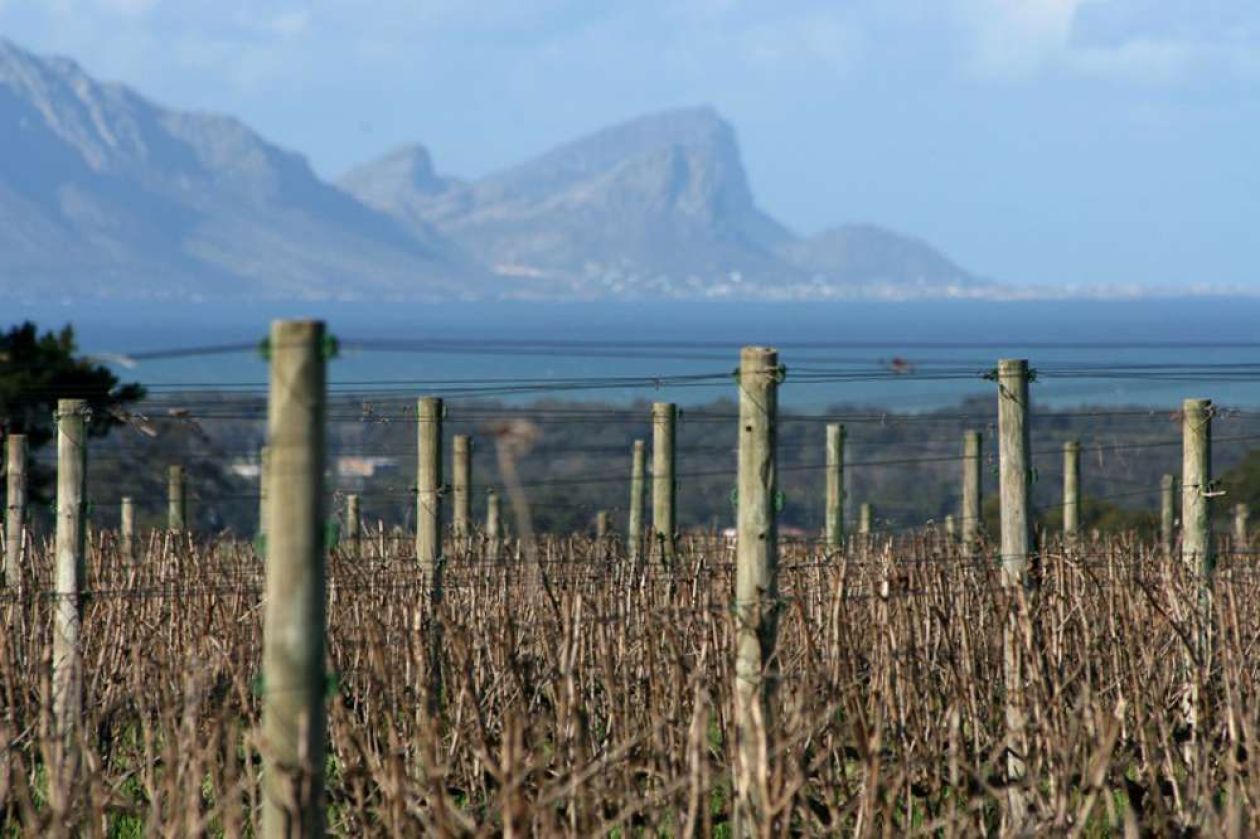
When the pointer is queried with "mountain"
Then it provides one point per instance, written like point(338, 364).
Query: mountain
point(659, 204)
point(865, 256)
point(104, 193)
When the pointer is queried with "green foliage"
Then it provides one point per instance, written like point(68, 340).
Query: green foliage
point(36, 370)
point(1242, 484)
point(1105, 517)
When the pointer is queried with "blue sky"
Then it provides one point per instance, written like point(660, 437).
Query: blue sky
point(1044, 141)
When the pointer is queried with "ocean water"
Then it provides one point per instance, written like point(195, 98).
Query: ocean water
point(902, 356)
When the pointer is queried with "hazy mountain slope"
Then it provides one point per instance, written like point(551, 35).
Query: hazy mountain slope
point(658, 203)
point(102, 191)
point(865, 255)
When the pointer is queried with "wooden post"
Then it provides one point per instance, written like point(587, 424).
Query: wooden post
point(1241, 514)
point(294, 617)
point(429, 535)
point(264, 459)
point(15, 512)
point(834, 514)
point(176, 505)
point(428, 489)
point(1071, 492)
point(127, 528)
point(756, 585)
point(971, 491)
point(951, 529)
point(664, 415)
point(634, 527)
point(71, 574)
point(1014, 469)
point(493, 515)
point(1167, 513)
point(1014, 478)
point(866, 517)
point(1196, 479)
point(461, 486)
point(601, 525)
point(354, 522)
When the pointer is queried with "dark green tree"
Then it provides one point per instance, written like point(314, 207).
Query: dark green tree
point(36, 370)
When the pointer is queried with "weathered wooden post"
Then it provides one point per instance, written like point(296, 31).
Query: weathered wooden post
point(601, 525)
point(176, 503)
point(15, 511)
point(1241, 514)
point(493, 516)
point(429, 534)
point(71, 574)
point(354, 524)
point(866, 516)
point(127, 528)
point(1014, 469)
point(1196, 480)
point(971, 491)
point(634, 527)
point(951, 529)
point(294, 617)
point(834, 514)
point(1071, 492)
point(1014, 478)
point(756, 584)
point(428, 490)
point(1167, 513)
point(664, 415)
point(461, 486)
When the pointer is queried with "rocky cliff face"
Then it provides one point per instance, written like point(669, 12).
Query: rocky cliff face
point(102, 191)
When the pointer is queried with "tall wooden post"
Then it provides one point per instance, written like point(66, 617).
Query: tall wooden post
point(664, 415)
point(866, 517)
point(127, 528)
point(971, 491)
point(176, 502)
point(1196, 479)
point(1071, 491)
point(1241, 539)
point(493, 515)
point(601, 525)
point(428, 489)
point(15, 512)
point(1014, 478)
point(294, 617)
point(1167, 513)
point(71, 574)
point(634, 527)
point(1014, 468)
point(429, 534)
point(756, 583)
point(354, 524)
point(264, 460)
point(834, 514)
point(461, 486)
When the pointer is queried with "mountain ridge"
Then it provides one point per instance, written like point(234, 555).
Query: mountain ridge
point(104, 193)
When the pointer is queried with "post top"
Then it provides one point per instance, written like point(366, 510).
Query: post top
point(1012, 363)
point(1196, 402)
point(757, 352)
point(297, 328)
point(663, 407)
